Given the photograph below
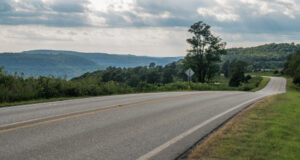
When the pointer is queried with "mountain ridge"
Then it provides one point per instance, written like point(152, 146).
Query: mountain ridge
point(71, 63)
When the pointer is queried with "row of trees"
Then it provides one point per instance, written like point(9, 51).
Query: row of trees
point(113, 80)
point(17, 88)
point(133, 76)
point(292, 67)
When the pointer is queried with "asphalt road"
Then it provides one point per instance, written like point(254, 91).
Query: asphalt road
point(124, 127)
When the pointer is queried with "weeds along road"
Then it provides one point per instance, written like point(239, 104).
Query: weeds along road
point(135, 126)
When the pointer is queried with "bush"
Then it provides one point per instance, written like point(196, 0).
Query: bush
point(236, 79)
point(247, 78)
point(296, 79)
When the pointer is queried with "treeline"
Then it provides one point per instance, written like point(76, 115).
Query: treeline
point(113, 80)
point(292, 67)
point(133, 76)
point(15, 88)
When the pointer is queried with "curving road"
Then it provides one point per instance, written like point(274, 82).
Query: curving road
point(124, 127)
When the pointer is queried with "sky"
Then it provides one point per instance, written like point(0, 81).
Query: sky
point(143, 27)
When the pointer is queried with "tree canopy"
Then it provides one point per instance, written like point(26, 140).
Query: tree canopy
point(292, 67)
point(206, 50)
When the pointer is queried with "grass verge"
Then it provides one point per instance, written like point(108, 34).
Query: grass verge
point(261, 73)
point(262, 84)
point(268, 129)
point(38, 101)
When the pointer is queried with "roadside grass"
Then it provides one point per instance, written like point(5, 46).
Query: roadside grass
point(262, 73)
point(38, 101)
point(268, 130)
point(262, 84)
point(219, 84)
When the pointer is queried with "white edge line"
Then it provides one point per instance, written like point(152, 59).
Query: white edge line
point(190, 131)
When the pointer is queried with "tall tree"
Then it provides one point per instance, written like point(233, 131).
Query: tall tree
point(205, 52)
point(237, 69)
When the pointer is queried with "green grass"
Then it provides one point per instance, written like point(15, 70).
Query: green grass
point(261, 73)
point(262, 84)
point(267, 131)
point(38, 101)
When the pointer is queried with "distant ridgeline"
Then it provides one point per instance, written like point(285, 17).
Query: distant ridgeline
point(73, 64)
point(268, 56)
point(60, 63)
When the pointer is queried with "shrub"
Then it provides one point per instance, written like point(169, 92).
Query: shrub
point(296, 79)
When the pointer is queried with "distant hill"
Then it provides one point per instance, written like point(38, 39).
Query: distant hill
point(59, 63)
point(116, 60)
point(46, 64)
point(73, 64)
point(268, 56)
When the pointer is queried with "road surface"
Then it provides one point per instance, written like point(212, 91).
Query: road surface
point(124, 127)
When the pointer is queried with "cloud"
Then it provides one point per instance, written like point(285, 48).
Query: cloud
point(256, 16)
point(231, 15)
point(68, 6)
point(139, 41)
point(4, 7)
point(220, 14)
point(70, 24)
point(43, 12)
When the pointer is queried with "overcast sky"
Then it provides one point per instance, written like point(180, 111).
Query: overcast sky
point(142, 27)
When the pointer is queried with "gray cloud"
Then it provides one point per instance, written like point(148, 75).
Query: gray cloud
point(261, 16)
point(4, 7)
point(69, 6)
point(35, 12)
point(239, 22)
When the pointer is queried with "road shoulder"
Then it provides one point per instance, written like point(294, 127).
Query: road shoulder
point(265, 130)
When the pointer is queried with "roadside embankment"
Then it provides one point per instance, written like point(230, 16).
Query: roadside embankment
point(269, 129)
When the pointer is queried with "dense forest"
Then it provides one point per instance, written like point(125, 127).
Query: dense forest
point(268, 56)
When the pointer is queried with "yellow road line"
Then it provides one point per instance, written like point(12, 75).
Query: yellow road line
point(80, 114)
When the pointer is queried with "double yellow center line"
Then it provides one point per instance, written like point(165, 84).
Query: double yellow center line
point(45, 120)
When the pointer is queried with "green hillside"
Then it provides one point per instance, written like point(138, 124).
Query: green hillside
point(116, 60)
point(60, 63)
point(73, 64)
point(268, 56)
point(46, 64)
